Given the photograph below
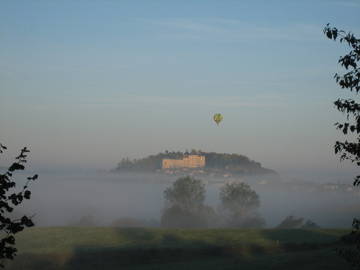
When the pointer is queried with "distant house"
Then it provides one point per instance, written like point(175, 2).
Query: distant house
point(191, 161)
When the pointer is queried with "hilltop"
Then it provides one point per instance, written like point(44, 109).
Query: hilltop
point(215, 164)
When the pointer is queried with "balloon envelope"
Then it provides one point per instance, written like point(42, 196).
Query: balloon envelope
point(218, 118)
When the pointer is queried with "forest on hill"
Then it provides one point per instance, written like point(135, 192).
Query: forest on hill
point(221, 162)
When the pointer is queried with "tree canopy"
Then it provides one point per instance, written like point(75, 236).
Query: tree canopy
point(187, 193)
point(184, 205)
point(240, 203)
point(238, 197)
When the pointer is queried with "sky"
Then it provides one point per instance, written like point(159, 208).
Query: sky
point(86, 83)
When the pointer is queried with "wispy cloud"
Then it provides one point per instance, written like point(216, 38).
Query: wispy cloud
point(224, 30)
point(349, 4)
point(165, 104)
point(259, 101)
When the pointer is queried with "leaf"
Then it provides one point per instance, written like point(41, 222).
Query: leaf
point(10, 240)
point(27, 194)
point(16, 166)
point(329, 34)
point(334, 33)
point(27, 221)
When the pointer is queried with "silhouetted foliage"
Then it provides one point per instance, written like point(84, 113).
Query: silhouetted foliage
point(350, 80)
point(352, 253)
point(10, 198)
point(239, 203)
point(349, 150)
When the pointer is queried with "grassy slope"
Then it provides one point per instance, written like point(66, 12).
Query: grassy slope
point(111, 248)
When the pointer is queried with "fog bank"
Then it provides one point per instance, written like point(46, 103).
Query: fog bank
point(63, 199)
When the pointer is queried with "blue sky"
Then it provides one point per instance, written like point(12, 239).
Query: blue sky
point(85, 83)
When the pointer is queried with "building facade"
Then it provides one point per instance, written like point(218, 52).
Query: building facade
point(191, 161)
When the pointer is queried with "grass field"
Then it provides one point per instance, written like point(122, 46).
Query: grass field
point(73, 248)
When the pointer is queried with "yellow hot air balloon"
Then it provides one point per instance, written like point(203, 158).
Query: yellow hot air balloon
point(218, 118)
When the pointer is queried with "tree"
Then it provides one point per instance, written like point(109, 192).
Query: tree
point(185, 205)
point(10, 198)
point(186, 193)
point(240, 203)
point(349, 150)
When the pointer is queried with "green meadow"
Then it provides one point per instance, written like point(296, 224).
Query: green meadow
point(80, 248)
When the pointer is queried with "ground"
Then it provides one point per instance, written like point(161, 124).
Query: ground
point(73, 248)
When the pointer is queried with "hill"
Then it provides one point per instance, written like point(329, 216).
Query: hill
point(218, 163)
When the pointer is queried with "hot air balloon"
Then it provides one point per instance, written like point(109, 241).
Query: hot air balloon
point(218, 118)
